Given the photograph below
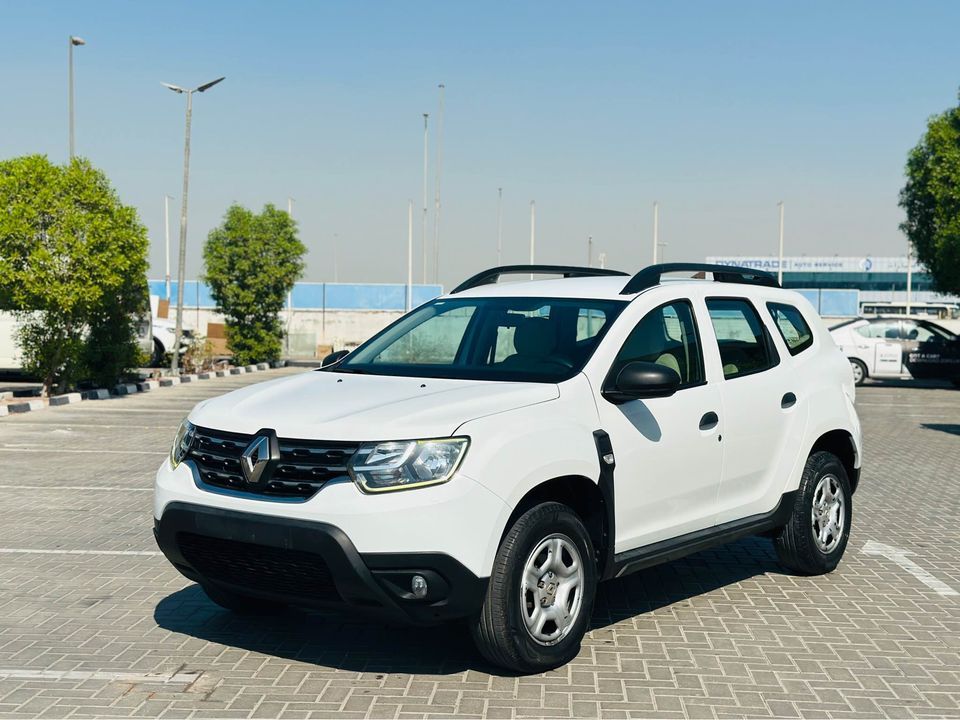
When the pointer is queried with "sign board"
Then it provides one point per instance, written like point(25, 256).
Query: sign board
point(857, 264)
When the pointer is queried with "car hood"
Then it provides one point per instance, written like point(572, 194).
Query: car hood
point(344, 406)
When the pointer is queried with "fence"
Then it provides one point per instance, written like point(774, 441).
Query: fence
point(317, 296)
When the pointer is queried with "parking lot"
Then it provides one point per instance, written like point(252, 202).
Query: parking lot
point(95, 622)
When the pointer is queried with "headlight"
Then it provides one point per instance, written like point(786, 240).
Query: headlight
point(380, 467)
point(181, 444)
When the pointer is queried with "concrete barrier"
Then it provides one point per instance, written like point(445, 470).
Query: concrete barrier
point(238, 371)
point(96, 394)
point(147, 385)
point(26, 406)
point(65, 399)
point(125, 389)
point(169, 381)
point(188, 378)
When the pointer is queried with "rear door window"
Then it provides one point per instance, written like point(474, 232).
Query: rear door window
point(745, 347)
point(792, 326)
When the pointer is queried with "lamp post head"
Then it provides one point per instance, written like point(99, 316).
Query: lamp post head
point(74, 40)
point(175, 88)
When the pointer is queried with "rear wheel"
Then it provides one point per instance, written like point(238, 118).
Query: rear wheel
point(239, 603)
point(859, 371)
point(540, 596)
point(814, 539)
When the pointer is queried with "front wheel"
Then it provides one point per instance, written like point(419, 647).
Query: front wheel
point(814, 539)
point(859, 371)
point(540, 596)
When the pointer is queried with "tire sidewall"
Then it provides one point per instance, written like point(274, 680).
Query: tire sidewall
point(863, 370)
point(820, 465)
point(543, 521)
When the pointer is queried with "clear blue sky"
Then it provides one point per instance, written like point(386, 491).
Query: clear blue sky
point(595, 110)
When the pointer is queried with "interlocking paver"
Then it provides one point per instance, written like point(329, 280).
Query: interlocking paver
point(725, 633)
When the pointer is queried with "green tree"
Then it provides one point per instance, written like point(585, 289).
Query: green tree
point(252, 261)
point(931, 199)
point(73, 265)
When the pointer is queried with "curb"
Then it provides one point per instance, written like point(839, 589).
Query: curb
point(98, 394)
point(26, 406)
point(124, 389)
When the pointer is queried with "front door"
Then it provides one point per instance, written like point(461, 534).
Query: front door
point(667, 450)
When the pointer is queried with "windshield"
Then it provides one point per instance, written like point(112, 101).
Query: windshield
point(512, 339)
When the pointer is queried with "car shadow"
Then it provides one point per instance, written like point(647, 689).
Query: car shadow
point(348, 642)
point(942, 427)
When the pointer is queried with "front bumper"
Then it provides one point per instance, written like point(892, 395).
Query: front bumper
point(311, 564)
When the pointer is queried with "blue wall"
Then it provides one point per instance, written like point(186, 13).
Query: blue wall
point(315, 296)
point(833, 303)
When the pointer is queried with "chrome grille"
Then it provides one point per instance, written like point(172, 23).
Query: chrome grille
point(304, 466)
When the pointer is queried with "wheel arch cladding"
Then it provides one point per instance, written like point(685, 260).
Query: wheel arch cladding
point(840, 443)
point(581, 495)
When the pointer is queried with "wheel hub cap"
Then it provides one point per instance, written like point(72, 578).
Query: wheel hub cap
point(828, 514)
point(551, 589)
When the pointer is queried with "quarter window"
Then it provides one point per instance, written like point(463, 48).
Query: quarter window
point(667, 336)
point(792, 326)
point(744, 345)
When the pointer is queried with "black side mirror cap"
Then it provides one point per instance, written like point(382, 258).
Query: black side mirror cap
point(640, 380)
point(334, 358)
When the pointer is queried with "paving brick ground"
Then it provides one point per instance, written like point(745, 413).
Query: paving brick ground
point(725, 633)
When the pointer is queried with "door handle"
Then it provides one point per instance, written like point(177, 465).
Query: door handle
point(709, 421)
point(788, 400)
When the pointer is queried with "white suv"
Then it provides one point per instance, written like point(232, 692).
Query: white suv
point(497, 452)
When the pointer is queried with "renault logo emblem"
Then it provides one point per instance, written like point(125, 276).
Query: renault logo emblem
point(255, 460)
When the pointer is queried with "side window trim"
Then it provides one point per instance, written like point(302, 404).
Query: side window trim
point(772, 352)
point(696, 333)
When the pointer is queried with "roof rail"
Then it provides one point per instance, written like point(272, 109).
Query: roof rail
point(493, 274)
point(650, 276)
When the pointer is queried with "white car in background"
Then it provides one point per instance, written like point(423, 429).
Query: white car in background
point(898, 347)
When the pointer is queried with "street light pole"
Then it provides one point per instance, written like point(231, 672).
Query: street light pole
point(499, 225)
point(409, 303)
point(656, 230)
point(70, 45)
point(533, 232)
point(436, 217)
point(166, 244)
point(181, 265)
point(423, 229)
point(780, 255)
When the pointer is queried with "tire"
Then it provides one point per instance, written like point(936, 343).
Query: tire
point(859, 371)
point(513, 605)
point(241, 604)
point(156, 360)
point(805, 544)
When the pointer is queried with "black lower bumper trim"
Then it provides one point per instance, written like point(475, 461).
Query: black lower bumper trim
point(311, 564)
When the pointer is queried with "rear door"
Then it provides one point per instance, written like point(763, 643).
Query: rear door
point(764, 411)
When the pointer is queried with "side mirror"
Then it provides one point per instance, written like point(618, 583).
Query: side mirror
point(334, 358)
point(637, 380)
